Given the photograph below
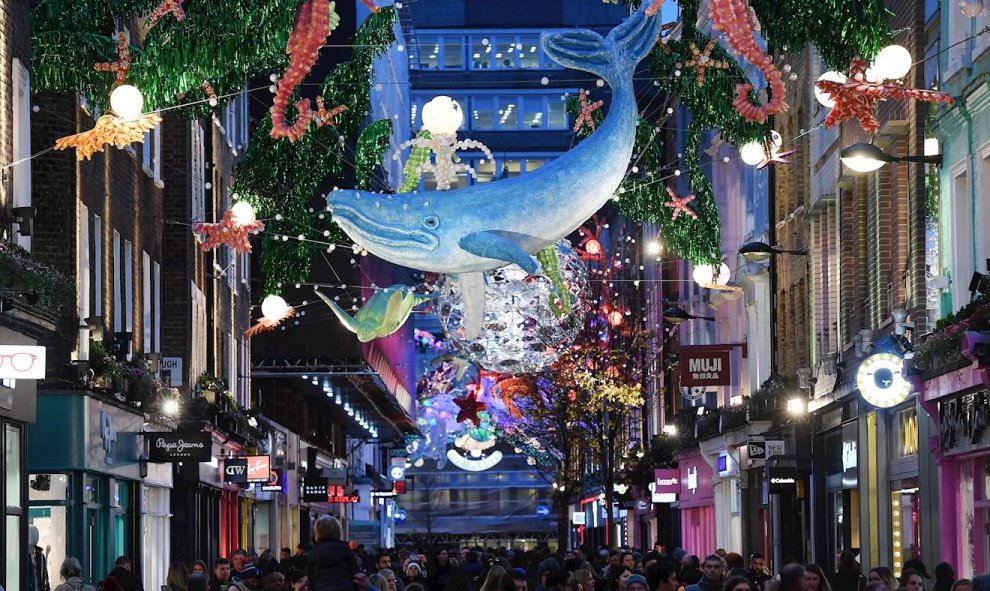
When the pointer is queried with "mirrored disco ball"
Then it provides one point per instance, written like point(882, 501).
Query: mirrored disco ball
point(527, 322)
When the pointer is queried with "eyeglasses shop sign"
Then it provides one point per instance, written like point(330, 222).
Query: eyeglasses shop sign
point(705, 366)
point(167, 448)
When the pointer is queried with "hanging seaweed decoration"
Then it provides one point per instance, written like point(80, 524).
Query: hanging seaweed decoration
point(370, 151)
point(280, 177)
point(223, 42)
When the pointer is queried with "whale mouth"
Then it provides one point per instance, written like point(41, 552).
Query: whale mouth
point(379, 233)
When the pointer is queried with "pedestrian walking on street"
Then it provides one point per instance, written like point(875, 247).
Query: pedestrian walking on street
point(122, 573)
point(962, 585)
point(913, 580)
point(198, 581)
point(882, 575)
point(816, 579)
point(945, 577)
point(711, 579)
point(71, 573)
point(221, 575)
point(332, 564)
point(758, 573)
point(178, 577)
point(738, 583)
point(793, 577)
point(848, 576)
point(199, 568)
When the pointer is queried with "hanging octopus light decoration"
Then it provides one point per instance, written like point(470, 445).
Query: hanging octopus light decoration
point(737, 21)
point(314, 22)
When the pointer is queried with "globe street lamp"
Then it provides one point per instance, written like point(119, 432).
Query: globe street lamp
point(868, 157)
point(676, 315)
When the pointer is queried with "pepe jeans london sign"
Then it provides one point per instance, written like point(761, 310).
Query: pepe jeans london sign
point(167, 448)
point(705, 366)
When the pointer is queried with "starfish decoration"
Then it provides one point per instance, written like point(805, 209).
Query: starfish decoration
point(701, 61)
point(122, 66)
point(586, 110)
point(858, 98)
point(680, 204)
point(228, 231)
point(370, 4)
point(109, 129)
point(167, 6)
point(775, 158)
point(327, 117)
point(660, 40)
point(470, 407)
point(266, 325)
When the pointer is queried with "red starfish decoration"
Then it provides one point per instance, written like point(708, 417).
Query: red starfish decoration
point(325, 116)
point(470, 407)
point(122, 66)
point(586, 110)
point(167, 6)
point(775, 158)
point(229, 232)
point(680, 204)
point(858, 98)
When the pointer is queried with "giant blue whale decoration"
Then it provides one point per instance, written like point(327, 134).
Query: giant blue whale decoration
point(465, 232)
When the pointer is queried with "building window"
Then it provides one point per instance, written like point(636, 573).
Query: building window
point(21, 171)
point(118, 316)
point(151, 150)
point(158, 308)
point(146, 310)
point(488, 112)
point(198, 361)
point(906, 433)
point(128, 255)
point(198, 176)
point(489, 171)
point(508, 114)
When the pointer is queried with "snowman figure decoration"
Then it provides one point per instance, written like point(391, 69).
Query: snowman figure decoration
point(442, 116)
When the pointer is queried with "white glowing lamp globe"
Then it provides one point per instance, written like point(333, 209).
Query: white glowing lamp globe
point(127, 102)
point(971, 8)
point(442, 116)
point(752, 153)
point(823, 97)
point(705, 274)
point(243, 212)
point(274, 308)
point(893, 62)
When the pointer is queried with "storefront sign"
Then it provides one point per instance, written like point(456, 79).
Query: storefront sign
point(336, 494)
point(235, 470)
point(22, 362)
point(315, 490)
point(167, 448)
point(783, 481)
point(109, 435)
point(762, 450)
point(577, 518)
point(667, 481)
point(963, 420)
point(696, 482)
point(276, 481)
point(170, 371)
point(401, 516)
point(722, 463)
point(705, 366)
point(881, 381)
point(259, 468)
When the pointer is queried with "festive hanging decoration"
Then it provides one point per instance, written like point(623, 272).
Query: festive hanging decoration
point(314, 22)
point(470, 407)
point(701, 61)
point(384, 312)
point(109, 130)
point(489, 225)
point(590, 248)
point(524, 327)
point(166, 7)
point(211, 95)
point(370, 151)
point(775, 157)
point(734, 19)
point(680, 204)
point(228, 231)
point(858, 98)
point(370, 4)
point(325, 116)
point(508, 388)
point(587, 109)
point(121, 66)
point(266, 324)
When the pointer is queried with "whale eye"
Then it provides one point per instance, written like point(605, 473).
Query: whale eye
point(431, 222)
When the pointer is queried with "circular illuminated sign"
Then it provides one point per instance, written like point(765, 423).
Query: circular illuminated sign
point(397, 473)
point(880, 380)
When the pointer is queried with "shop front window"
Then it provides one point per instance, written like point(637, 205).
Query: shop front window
point(12, 467)
point(905, 433)
point(14, 558)
point(904, 520)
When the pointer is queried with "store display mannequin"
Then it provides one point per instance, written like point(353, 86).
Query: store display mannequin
point(38, 577)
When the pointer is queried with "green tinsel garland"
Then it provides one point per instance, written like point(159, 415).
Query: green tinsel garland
point(281, 177)
point(370, 151)
point(222, 43)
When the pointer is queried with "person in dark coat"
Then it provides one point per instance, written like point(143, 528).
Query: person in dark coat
point(122, 574)
point(848, 575)
point(332, 565)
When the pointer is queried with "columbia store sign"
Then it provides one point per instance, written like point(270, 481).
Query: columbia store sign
point(165, 448)
point(704, 365)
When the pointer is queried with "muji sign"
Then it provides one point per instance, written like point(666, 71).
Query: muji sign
point(703, 365)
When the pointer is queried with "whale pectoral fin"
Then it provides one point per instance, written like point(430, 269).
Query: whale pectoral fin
point(499, 246)
point(350, 323)
point(472, 289)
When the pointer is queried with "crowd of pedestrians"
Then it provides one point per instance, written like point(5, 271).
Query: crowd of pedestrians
point(332, 564)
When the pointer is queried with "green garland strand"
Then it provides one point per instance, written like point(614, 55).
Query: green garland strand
point(370, 151)
point(280, 177)
point(223, 43)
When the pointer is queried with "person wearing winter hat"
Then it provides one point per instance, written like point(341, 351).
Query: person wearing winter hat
point(636, 583)
point(549, 565)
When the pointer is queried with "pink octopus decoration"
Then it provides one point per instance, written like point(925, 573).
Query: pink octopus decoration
point(311, 28)
point(735, 20)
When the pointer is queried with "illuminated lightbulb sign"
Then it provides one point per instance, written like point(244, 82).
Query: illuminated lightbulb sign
point(880, 380)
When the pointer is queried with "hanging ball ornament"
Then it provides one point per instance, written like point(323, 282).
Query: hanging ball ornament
point(971, 8)
point(127, 102)
point(752, 153)
point(824, 98)
point(527, 322)
point(893, 62)
point(274, 308)
point(243, 212)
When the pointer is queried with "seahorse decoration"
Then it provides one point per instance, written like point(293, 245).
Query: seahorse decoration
point(314, 21)
point(737, 21)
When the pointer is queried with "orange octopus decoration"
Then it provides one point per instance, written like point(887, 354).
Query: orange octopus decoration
point(736, 20)
point(314, 21)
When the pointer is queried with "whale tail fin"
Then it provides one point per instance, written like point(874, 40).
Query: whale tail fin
point(610, 57)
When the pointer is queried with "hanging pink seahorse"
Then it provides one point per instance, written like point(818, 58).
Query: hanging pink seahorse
point(735, 20)
point(308, 34)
